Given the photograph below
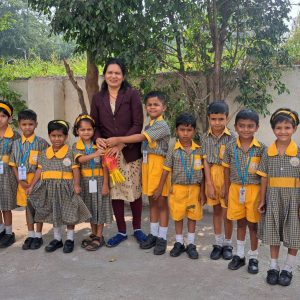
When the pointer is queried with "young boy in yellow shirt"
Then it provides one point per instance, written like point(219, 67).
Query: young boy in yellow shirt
point(186, 197)
point(242, 186)
point(213, 144)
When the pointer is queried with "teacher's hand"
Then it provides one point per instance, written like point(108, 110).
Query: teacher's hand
point(114, 151)
point(101, 143)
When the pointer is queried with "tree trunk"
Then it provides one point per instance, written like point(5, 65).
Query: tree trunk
point(92, 76)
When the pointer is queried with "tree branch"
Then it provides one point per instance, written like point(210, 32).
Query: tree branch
point(76, 86)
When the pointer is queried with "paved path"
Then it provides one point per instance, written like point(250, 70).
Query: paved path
point(126, 272)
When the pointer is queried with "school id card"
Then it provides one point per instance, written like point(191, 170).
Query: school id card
point(242, 195)
point(22, 173)
point(92, 186)
point(1, 167)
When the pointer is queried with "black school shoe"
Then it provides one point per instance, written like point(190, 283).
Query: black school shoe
point(216, 253)
point(2, 234)
point(177, 249)
point(53, 245)
point(149, 242)
point(272, 276)
point(7, 240)
point(227, 252)
point(285, 278)
point(36, 244)
point(253, 266)
point(68, 246)
point(236, 262)
point(160, 246)
point(192, 252)
point(27, 243)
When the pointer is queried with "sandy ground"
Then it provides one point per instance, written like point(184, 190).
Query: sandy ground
point(126, 272)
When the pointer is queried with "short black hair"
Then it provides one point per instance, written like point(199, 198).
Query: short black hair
point(5, 111)
point(79, 119)
point(186, 119)
point(161, 96)
point(27, 114)
point(284, 114)
point(218, 107)
point(247, 114)
point(58, 125)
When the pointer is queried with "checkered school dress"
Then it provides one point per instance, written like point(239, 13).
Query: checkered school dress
point(280, 222)
point(54, 200)
point(98, 205)
point(8, 181)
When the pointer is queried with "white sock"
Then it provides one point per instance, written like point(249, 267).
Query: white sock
point(179, 238)
point(191, 238)
point(57, 233)
point(70, 234)
point(8, 229)
point(274, 264)
point(289, 263)
point(227, 242)
point(253, 254)
point(162, 233)
point(38, 235)
point(154, 227)
point(2, 227)
point(31, 234)
point(124, 234)
point(240, 251)
point(219, 239)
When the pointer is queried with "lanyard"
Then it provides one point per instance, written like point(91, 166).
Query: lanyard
point(243, 177)
point(88, 152)
point(189, 173)
point(25, 155)
point(6, 140)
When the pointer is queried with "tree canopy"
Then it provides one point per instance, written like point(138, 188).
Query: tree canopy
point(232, 43)
point(27, 34)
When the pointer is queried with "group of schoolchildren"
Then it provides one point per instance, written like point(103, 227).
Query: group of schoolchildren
point(241, 178)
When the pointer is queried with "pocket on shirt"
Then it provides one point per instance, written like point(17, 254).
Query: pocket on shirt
point(222, 150)
point(254, 164)
point(33, 157)
point(197, 162)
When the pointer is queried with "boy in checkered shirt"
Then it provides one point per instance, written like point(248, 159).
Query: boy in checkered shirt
point(213, 144)
point(155, 140)
point(184, 162)
point(242, 186)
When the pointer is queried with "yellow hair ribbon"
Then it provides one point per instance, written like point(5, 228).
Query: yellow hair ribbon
point(84, 117)
point(289, 113)
point(6, 107)
point(63, 123)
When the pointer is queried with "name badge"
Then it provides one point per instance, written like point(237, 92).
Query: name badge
point(242, 195)
point(22, 173)
point(92, 186)
point(145, 157)
point(1, 167)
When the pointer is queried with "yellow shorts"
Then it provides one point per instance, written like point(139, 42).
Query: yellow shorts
point(184, 202)
point(151, 173)
point(21, 194)
point(217, 177)
point(248, 210)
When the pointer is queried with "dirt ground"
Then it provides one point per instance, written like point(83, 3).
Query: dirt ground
point(126, 272)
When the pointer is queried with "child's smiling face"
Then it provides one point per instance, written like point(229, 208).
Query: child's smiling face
point(246, 128)
point(154, 107)
point(57, 138)
point(85, 130)
point(284, 131)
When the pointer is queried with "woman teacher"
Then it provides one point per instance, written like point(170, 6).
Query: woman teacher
point(117, 111)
